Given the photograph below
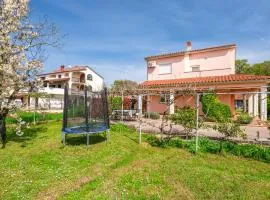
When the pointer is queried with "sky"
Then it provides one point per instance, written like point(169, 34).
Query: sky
point(114, 36)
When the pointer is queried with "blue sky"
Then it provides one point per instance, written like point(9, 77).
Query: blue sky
point(114, 36)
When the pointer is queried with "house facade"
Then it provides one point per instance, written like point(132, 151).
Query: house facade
point(53, 84)
point(201, 70)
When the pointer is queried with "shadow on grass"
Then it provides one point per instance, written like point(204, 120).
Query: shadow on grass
point(28, 136)
point(81, 139)
point(129, 136)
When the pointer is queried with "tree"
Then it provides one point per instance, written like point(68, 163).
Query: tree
point(186, 117)
point(215, 110)
point(120, 85)
point(241, 66)
point(21, 53)
point(261, 68)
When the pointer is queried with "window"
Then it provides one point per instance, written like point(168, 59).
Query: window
point(239, 104)
point(164, 98)
point(59, 86)
point(195, 68)
point(66, 75)
point(89, 77)
point(165, 68)
point(59, 76)
point(45, 84)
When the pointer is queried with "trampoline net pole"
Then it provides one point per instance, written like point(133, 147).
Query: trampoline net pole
point(86, 109)
point(65, 113)
point(106, 110)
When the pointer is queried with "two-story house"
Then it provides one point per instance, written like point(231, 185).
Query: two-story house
point(77, 77)
point(202, 70)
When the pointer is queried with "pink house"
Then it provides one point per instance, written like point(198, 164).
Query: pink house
point(203, 69)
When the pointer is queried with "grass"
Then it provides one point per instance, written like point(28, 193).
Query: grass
point(37, 166)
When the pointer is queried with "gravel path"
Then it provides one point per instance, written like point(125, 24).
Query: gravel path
point(153, 126)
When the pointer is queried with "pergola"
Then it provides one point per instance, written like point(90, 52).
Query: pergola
point(254, 95)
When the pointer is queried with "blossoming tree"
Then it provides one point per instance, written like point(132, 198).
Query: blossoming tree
point(21, 53)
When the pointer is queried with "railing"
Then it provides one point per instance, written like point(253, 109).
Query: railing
point(52, 90)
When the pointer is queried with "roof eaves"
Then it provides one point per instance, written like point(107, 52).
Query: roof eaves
point(166, 55)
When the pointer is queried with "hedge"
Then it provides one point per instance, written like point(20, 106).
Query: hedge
point(253, 151)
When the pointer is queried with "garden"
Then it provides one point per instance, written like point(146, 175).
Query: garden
point(37, 166)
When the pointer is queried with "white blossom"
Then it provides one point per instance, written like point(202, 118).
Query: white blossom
point(21, 45)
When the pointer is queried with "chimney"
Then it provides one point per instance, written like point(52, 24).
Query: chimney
point(62, 67)
point(189, 45)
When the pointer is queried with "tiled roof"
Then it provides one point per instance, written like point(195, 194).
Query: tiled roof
point(206, 80)
point(70, 69)
point(228, 46)
point(66, 69)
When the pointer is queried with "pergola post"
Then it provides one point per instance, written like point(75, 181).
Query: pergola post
point(197, 120)
point(140, 104)
point(245, 102)
point(263, 103)
point(171, 103)
point(256, 104)
point(250, 105)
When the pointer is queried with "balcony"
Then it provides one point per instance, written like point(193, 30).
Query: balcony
point(50, 90)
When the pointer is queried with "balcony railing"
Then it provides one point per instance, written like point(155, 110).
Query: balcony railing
point(51, 90)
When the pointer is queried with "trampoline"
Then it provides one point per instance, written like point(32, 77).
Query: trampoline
point(85, 113)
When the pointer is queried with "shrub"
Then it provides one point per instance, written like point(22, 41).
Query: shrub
point(206, 145)
point(214, 110)
point(116, 103)
point(244, 118)
point(152, 115)
point(229, 129)
point(186, 117)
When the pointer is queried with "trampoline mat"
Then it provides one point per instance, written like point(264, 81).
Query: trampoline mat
point(96, 128)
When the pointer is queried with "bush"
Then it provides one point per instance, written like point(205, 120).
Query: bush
point(116, 103)
point(244, 118)
point(206, 145)
point(152, 115)
point(215, 110)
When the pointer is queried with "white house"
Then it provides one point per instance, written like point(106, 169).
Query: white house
point(77, 77)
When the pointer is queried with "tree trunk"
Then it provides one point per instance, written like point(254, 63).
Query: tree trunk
point(3, 129)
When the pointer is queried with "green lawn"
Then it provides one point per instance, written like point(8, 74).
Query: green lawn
point(37, 166)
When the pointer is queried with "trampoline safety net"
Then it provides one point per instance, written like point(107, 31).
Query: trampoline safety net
point(85, 111)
